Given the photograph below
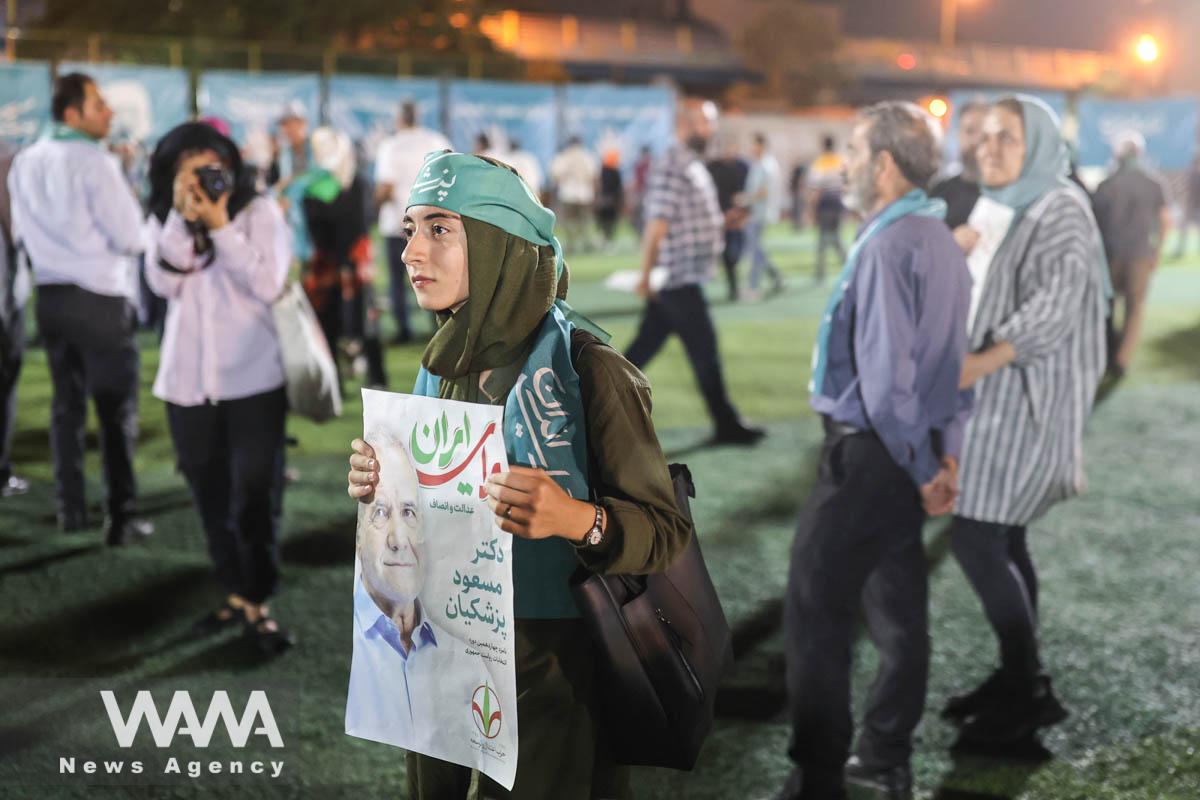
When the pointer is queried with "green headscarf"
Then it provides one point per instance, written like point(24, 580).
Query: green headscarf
point(515, 273)
point(1046, 167)
point(1047, 158)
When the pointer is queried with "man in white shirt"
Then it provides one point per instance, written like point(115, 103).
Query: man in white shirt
point(81, 227)
point(527, 166)
point(396, 165)
point(764, 188)
point(407, 669)
point(575, 172)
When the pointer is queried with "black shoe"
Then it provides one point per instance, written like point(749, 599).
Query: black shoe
point(13, 486)
point(72, 521)
point(1018, 718)
point(738, 434)
point(959, 707)
point(895, 782)
point(122, 532)
point(269, 636)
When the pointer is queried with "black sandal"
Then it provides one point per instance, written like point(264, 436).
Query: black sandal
point(270, 637)
point(222, 617)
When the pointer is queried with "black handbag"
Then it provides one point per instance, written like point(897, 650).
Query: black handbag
point(662, 645)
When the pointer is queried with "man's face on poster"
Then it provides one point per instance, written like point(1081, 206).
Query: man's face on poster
point(391, 546)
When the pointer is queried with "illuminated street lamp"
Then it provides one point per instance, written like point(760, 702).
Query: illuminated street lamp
point(1147, 49)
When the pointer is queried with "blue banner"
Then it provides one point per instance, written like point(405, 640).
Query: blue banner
point(958, 98)
point(254, 102)
point(505, 112)
point(366, 108)
point(621, 118)
point(147, 101)
point(24, 99)
point(1168, 124)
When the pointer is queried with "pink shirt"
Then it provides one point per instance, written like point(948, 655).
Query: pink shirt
point(220, 341)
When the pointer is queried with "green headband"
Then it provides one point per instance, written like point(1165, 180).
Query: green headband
point(474, 187)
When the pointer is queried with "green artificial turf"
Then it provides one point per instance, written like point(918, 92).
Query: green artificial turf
point(1120, 594)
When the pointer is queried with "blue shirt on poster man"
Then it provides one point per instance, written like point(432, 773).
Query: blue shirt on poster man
point(896, 344)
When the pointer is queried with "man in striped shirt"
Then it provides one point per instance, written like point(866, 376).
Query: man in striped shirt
point(685, 234)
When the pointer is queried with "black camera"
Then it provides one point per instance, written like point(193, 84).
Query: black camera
point(215, 181)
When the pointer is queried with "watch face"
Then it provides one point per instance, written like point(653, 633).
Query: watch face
point(594, 537)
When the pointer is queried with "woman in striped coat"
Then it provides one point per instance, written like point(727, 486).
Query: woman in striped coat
point(1037, 341)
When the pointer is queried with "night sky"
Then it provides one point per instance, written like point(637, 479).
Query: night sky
point(1081, 24)
point(1084, 24)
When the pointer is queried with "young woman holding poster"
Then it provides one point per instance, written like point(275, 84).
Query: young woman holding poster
point(483, 256)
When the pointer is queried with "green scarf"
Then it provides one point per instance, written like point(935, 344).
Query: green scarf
point(321, 185)
point(65, 133)
point(479, 350)
point(1047, 159)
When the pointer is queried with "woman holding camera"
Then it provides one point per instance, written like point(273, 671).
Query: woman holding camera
point(219, 253)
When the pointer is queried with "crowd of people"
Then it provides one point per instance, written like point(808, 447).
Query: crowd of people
point(956, 364)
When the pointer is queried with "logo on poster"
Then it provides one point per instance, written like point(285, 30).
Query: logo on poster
point(485, 710)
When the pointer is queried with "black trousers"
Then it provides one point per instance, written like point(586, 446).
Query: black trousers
point(10, 373)
point(735, 241)
point(90, 346)
point(231, 454)
point(398, 283)
point(995, 559)
point(685, 311)
point(858, 546)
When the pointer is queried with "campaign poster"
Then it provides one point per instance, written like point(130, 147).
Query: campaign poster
point(433, 667)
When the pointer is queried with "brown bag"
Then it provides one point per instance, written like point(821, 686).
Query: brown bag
point(662, 645)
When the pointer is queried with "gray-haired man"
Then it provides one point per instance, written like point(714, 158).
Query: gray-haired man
point(885, 381)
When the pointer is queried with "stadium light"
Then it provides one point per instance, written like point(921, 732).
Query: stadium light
point(938, 107)
point(1147, 49)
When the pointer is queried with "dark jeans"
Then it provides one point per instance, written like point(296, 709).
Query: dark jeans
point(231, 454)
point(91, 351)
point(398, 286)
point(10, 372)
point(735, 240)
point(685, 311)
point(996, 561)
point(858, 546)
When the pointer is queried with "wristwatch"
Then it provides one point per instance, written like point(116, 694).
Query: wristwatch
point(596, 535)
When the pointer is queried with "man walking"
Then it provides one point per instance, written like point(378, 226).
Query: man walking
point(885, 382)
point(575, 172)
point(78, 221)
point(729, 172)
point(684, 234)
point(825, 182)
point(763, 188)
point(397, 163)
point(1131, 210)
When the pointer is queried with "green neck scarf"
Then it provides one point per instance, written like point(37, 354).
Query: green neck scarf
point(479, 350)
point(320, 184)
point(65, 133)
